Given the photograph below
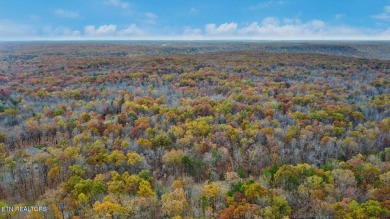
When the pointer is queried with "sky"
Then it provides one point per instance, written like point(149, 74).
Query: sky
point(22, 20)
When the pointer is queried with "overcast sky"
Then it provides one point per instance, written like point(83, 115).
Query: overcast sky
point(194, 20)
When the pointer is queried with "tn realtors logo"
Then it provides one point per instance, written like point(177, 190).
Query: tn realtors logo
point(23, 208)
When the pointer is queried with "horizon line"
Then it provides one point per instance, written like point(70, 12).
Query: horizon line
point(201, 40)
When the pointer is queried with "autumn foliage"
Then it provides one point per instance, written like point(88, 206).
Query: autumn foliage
point(139, 131)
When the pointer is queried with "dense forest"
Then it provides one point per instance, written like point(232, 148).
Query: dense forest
point(111, 130)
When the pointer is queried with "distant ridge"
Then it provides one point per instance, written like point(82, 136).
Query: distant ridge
point(359, 49)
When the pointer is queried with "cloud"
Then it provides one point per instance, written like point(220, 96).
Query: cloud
point(150, 18)
point(10, 30)
point(269, 28)
point(317, 24)
point(60, 33)
point(66, 14)
point(273, 28)
point(111, 31)
point(104, 30)
point(118, 3)
point(271, 21)
point(132, 30)
point(385, 15)
point(223, 29)
point(192, 33)
point(151, 15)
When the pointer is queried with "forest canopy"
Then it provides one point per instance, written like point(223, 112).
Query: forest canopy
point(111, 130)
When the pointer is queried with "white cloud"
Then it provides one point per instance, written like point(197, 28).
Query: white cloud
point(111, 31)
point(272, 28)
point(317, 24)
point(150, 18)
point(269, 28)
point(385, 15)
point(10, 30)
point(223, 29)
point(292, 21)
point(132, 30)
point(66, 14)
point(104, 30)
point(192, 33)
point(61, 33)
point(385, 34)
point(151, 15)
point(118, 3)
point(270, 21)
